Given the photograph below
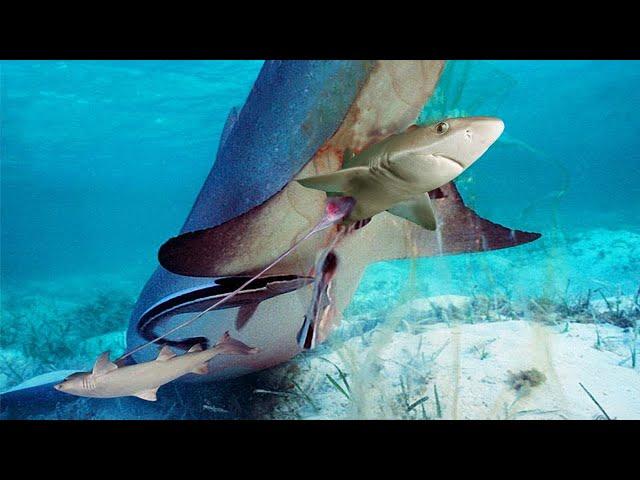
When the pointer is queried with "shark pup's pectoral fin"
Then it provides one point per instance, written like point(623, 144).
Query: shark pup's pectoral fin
point(103, 365)
point(340, 182)
point(149, 395)
point(417, 210)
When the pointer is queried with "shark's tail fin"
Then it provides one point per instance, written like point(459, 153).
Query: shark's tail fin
point(463, 231)
point(460, 230)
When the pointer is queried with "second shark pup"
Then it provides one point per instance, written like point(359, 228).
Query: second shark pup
point(142, 380)
point(396, 174)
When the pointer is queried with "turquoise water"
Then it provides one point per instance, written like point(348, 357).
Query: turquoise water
point(102, 160)
point(89, 149)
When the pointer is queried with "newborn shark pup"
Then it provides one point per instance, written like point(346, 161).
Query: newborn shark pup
point(142, 380)
point(395, 174)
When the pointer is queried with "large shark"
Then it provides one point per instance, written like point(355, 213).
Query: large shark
point(297, 122)
point(389, 97)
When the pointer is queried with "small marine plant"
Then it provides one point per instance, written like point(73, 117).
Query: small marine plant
point(523, 381)
point(49, 333)
point(620, 310)
point(605, 415)
point(636, 327)
point(346, 390)
point(580, 306)
point(417, 403)
point(481, 349)
point(437, 400)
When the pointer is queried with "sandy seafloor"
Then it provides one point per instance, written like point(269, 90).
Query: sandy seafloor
point(505, 334)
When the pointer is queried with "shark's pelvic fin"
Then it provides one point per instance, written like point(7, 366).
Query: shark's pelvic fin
point(338, 182)
point(103, 364)
point(165, 354)
point(201, 370)
point(149, 395)
point(417, 210)
point(196, 348)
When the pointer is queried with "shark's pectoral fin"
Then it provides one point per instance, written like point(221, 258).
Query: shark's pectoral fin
point(149, 395)
point(201, 370)
point(103, 365)
point(340, 182)
point(417, 210)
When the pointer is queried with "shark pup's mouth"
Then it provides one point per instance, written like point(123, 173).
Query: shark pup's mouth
point(451, 159)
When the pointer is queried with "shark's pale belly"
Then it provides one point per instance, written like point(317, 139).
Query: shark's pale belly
point(274, 325)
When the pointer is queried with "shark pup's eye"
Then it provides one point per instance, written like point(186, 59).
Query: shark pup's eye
point(442, 127)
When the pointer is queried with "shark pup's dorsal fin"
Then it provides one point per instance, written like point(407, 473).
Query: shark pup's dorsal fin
point(103, 364)
point(165, 354)
point(196, 348)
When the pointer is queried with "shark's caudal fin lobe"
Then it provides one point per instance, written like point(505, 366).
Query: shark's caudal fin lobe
point(464, 231)
point(148, 395)
point(103, 364)
point(336, 182)
point(417, 210)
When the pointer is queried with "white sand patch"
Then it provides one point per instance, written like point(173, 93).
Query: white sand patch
point(469, 365)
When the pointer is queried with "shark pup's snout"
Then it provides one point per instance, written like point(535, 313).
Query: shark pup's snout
point(465, 140)
point(488, 129)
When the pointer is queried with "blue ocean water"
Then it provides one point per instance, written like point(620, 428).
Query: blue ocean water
point(102, 160)
point(91, 149)
point(566, 166)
